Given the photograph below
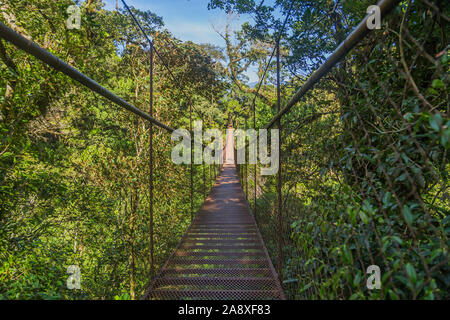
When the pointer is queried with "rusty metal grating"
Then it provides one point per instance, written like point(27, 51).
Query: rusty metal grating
point(222, 255)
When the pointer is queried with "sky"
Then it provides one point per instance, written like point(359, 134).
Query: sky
point(188, 20)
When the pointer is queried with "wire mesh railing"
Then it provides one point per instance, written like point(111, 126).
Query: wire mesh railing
point(364, 180)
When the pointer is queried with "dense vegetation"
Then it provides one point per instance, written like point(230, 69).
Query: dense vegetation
point(365, 154)
point(74, 167)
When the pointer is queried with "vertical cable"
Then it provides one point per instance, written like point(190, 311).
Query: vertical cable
point(204, 182)
point(192, 161)
point(280, 213)
point(246, 163)
point(152, 267)
point(256, 164)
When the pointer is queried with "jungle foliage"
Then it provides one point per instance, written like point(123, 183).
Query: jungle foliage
point(364, 154)
point(74, 168)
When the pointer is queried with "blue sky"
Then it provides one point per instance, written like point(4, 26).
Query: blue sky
point(187, 19)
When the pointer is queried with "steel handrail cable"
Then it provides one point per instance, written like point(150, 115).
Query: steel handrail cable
point(341, 51)
point(48, 58)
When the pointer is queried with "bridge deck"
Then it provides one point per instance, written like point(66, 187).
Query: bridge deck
point(222, 254)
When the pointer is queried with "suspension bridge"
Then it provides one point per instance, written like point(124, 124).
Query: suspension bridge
point(222, 255)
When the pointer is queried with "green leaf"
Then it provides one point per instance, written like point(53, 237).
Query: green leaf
point(352, 214)
point(408, 215)
point(438, 84)
point(398, 240)
point(411, 272)
point(387, 199)
point(354, 296)
point(347, 254)
point(363, 216)
point(436, 122)
point(367, 206)
point(306, 287)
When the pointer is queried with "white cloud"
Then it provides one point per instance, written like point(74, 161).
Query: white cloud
point(196, 32)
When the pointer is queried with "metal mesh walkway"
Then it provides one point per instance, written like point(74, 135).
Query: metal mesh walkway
point(222, 254)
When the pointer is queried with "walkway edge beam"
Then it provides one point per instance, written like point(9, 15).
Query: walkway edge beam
point(386, 6)
point(40, 53)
